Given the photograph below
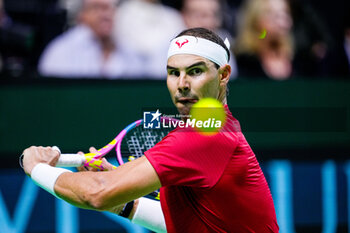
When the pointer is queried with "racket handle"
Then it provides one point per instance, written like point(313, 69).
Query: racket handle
point(70, 160)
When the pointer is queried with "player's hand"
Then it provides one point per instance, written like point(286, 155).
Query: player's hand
point(106, 165)
point(34, 155)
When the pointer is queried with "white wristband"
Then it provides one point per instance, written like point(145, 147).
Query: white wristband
point(149, 214)
point(45, 176)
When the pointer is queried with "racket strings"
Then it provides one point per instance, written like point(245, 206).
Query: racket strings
point(139, 140)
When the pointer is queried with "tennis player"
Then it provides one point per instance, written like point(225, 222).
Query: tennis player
point(207, 183)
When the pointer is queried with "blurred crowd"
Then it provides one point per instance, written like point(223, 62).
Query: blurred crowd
point(128, 39)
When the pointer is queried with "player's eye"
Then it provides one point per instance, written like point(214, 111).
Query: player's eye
point(174, 73)
point(195, 72)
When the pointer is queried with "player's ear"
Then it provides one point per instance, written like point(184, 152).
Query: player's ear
point(224, 74)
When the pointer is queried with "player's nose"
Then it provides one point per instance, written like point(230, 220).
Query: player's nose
point(184, 84)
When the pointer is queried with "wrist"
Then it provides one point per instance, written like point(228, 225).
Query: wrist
point(28, 168)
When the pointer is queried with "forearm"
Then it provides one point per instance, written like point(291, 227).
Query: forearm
point(53, 178)
point(90, 190)
point(145, 212)
point(75, 188)
point(106, 190)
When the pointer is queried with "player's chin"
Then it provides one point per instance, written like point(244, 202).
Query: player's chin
point(184, 108)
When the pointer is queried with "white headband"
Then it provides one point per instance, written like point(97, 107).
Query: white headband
point(201, 47)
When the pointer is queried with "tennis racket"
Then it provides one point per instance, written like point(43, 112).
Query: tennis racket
point(129, 144)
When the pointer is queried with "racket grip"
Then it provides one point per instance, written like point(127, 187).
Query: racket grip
point(70, 160)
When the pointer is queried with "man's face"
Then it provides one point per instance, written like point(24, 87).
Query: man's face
point(202, 13)
point(191, 78)
point(99, 16)
point(276, 18)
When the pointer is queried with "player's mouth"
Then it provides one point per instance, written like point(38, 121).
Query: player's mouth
point(185, 100)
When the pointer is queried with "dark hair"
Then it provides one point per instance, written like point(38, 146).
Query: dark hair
point(205, 34)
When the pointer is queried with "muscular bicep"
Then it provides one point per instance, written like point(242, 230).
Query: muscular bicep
point(103, 190)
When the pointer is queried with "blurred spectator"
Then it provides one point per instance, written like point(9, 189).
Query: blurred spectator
point(3, 22)
point(16, 43)
point(204, 13)
point(312, 40)
point(347, 49)
point(340, 56)
point(72, 9)
point(89, 49)
point(146, 27)
point(208, 14)
point(264, 46)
